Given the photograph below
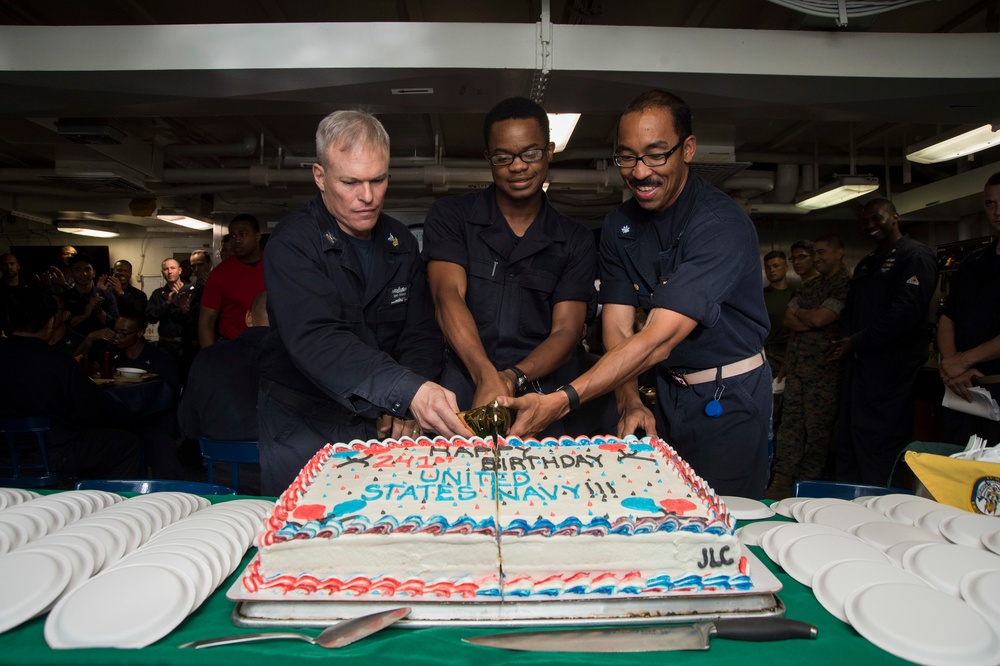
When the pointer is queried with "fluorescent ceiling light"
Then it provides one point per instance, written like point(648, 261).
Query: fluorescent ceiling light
point(185, 221)
point(957, 143)
point(843, 189)
point(561, 126)
point(91, 229)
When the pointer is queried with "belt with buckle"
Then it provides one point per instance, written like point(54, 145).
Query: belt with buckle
point(310, 406)
point(709, 375)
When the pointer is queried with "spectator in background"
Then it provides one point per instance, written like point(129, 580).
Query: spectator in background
point(157, 431)
point(812, 376)
point(64, 338)
point(226, 249)
point(119, 283)
point(10, 284)
point(777, 293)
point(802, 259)
point(885, 328)
point(91, 307)
point(171, 309)
point(220, 398)
point(231, 288)
point(969, 328)
point(43, 381)
point(201, 266)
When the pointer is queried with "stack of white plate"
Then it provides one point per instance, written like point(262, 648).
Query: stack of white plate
point(918, 579)
point(176, 569)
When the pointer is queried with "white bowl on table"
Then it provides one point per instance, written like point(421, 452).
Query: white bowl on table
point(131, 373)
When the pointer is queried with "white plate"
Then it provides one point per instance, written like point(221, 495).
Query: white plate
point(750, 534)
point(981, 590)
point(78, 559)
point(844, 516)
point(835, 582)
point(71, 510)
point(130, 532)
point(5, 542)
point(923, 625)
point(194, 568)
point(783, 507)
point(111, 538)
point(131, 372)
point(31, 581)
point(802, 511)
point(803, 557)
point(863, 500)
point(246, 523)
point(15, 535)
point(992, 542)
point(160, 513)
point(14, 496)
point(774, 540)
point(968, 529)
point(743, 508)
point(932, 521)
point(898, 551)
point(229, 545)
point(943, 565)
point(886, 535)
point(883, 503)
point(137, 519)
point(21, 528)
point(84, 558)
point(908, 512)
point(53, 517)
point(173, 508)
point(214, 555)
point(107, 611)
point(102, 498)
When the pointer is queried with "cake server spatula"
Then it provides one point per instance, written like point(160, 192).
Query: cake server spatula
point(649, 639)
point(336, 636)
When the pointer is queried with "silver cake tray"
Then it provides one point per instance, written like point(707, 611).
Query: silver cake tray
point(256, 610)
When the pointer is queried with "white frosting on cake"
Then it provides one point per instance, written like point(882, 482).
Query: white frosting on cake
point(458, 519)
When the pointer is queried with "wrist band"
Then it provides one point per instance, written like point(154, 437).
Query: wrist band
point(574, 397)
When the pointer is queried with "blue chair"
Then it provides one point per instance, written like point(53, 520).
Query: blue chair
point(847, 491)
point(230, 451)
point(145, 486)
point(19, 473)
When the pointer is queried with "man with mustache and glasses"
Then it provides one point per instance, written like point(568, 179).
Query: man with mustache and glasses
point(686, 252)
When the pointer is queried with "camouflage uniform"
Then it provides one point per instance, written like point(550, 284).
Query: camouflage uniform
point(812, 384)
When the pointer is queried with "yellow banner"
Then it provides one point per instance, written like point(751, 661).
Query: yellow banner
point(971, 485)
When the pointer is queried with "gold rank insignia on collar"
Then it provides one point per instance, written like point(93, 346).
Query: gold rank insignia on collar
point(329, 237)
point(392, 239)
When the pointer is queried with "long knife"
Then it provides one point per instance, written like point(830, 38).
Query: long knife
point(649, 639)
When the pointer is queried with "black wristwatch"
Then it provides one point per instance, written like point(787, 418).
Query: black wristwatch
point(520, 379)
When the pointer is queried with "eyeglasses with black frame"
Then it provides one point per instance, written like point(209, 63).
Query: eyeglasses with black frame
point(650, 159)
point(527, 156)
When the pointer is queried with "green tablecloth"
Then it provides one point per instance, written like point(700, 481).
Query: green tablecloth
point(837, 643)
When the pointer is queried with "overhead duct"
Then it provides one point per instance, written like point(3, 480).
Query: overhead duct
point(246, 147)
point(943, 191)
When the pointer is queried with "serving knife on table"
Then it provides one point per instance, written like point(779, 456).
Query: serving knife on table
point(695, 636)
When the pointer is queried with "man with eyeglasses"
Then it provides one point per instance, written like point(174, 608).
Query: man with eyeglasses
point(231, 288)
point(686, 252)
point(802, 259)
point(511, 277)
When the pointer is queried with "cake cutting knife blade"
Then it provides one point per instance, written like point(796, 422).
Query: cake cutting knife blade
point(343, 633)
point(649, 639)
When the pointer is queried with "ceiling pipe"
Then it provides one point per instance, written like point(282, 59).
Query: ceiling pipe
point(786, 183)
point(244, 148)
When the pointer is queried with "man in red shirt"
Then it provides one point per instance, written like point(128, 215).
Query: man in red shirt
point(231, 288)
